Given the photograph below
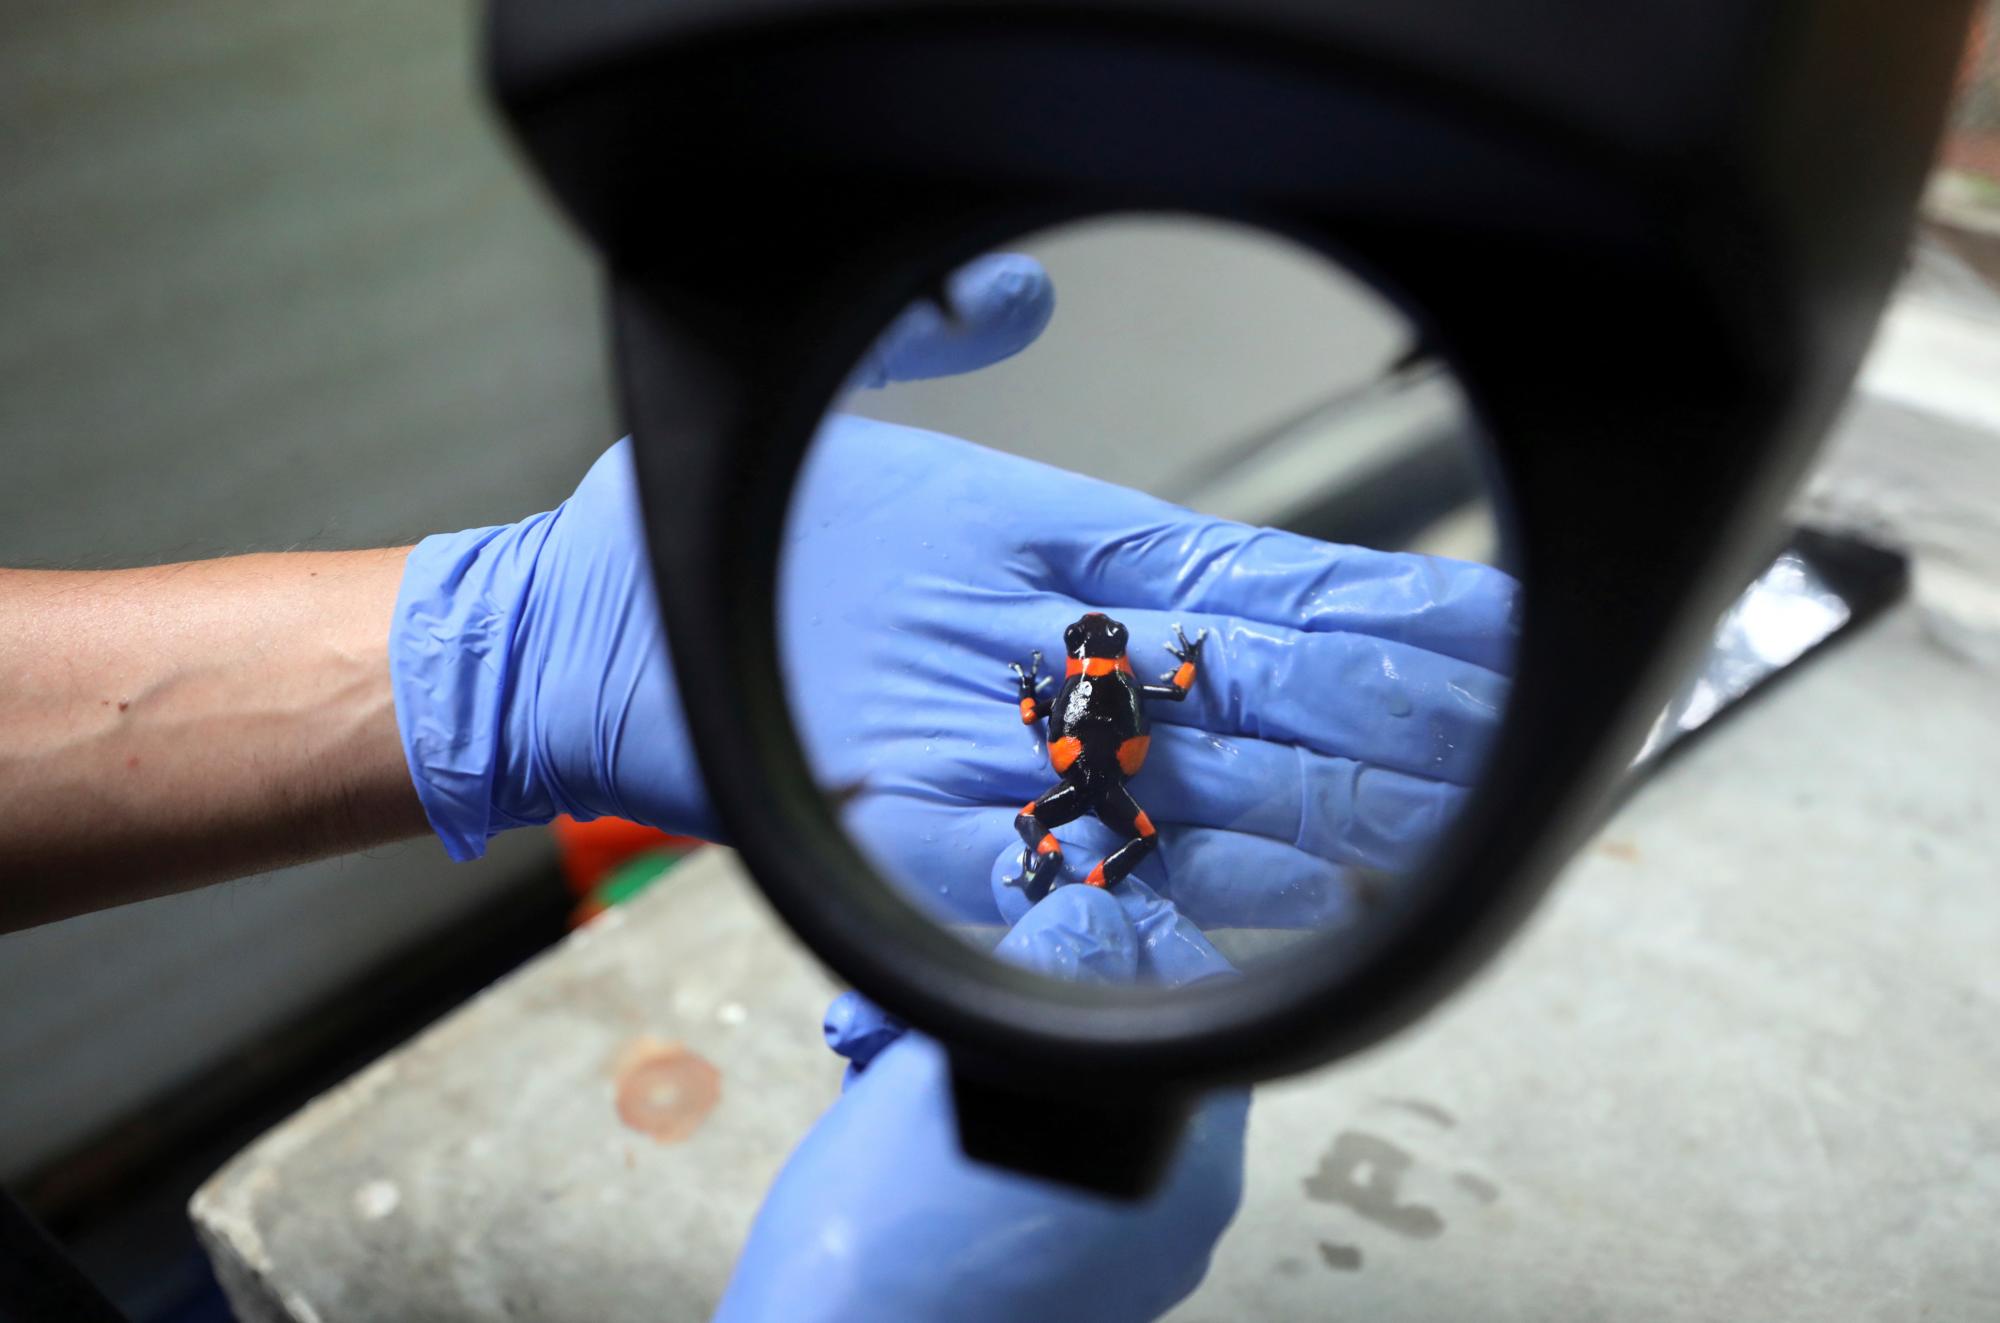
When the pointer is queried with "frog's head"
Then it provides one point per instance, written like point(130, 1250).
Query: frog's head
point(1096, 635)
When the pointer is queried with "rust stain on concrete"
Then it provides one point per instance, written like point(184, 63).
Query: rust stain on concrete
point(663, 1090)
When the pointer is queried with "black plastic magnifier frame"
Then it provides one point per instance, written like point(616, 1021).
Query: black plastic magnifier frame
point(1626, 233)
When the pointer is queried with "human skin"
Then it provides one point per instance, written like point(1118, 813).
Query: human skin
point(168, 727)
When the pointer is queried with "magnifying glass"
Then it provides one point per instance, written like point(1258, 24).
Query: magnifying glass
point(1599, 280)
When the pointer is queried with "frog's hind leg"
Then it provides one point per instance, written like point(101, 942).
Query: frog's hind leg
point(1041, 860)
point(1117, 810)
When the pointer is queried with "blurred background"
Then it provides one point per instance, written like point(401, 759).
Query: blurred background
point(272, 281)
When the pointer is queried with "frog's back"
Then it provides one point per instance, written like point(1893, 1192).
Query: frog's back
point(1101, 713)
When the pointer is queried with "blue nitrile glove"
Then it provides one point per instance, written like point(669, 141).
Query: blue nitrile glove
point(528, 663)
point(879, 1215)
point(1344, 703)
point(1345, 700)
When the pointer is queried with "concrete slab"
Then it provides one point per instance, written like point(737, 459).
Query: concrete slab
point(1741, 1066)
point(515, 1162)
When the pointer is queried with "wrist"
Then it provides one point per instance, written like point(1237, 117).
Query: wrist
point(458, 651)
point(530, 673)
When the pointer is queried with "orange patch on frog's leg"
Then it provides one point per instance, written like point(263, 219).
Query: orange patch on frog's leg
point(1049, 845)
point(1027, 712)
point(1143, 824)
point(1064, 751)
point(1096, 878)
point(1132, 753)
point(1184, 676)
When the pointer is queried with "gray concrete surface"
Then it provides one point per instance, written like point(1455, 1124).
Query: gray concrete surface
point(1915, 461)
point(1741, 1066)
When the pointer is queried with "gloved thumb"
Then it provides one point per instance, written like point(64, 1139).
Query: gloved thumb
point(1077, 933)
point(999, 304)
point(1173, 950)
point(859, 1030)
point(1080, 934)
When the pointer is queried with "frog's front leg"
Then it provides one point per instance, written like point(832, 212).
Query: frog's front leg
point(1028, 682)
point(1188, 654)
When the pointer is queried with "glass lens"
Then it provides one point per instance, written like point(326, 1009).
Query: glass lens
point(1139, 607)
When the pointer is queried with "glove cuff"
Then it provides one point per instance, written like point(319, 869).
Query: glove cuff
point(454, 650)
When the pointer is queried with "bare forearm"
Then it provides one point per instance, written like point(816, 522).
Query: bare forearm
point(163, 728)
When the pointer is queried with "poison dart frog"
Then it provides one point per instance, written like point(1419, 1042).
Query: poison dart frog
point(1097, 737)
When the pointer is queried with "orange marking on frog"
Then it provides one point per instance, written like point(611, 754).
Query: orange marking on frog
point(1064, 751)
point(1132, 753)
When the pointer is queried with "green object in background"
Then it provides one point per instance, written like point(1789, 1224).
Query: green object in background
point(634, 876)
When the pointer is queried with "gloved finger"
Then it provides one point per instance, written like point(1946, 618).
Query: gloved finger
point(1340, 809)
point(932, 849)
point(858, 1029)
point(1339, 693)
point(1228, 879)
point(1331, 808)
point(1078, 934)
point(999, 304)
point(1108, 546)
point(932, 837)
point(1169, 947)
point(965, 742)
point(1130, 550)
point(1172, 949)
point(1217, 878)
point(1457, 608)
point(1349, 695)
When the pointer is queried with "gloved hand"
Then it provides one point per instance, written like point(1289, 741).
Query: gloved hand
point(529, 666)
point(878, 1215)
point(1345, 701)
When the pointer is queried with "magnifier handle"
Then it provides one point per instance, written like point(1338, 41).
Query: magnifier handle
point(1109, 1142)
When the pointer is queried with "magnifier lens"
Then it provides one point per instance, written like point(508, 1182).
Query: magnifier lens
point(1149, 586)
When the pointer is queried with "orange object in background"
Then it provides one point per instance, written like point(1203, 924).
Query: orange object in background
point(1972, 141)
point(592, 851)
